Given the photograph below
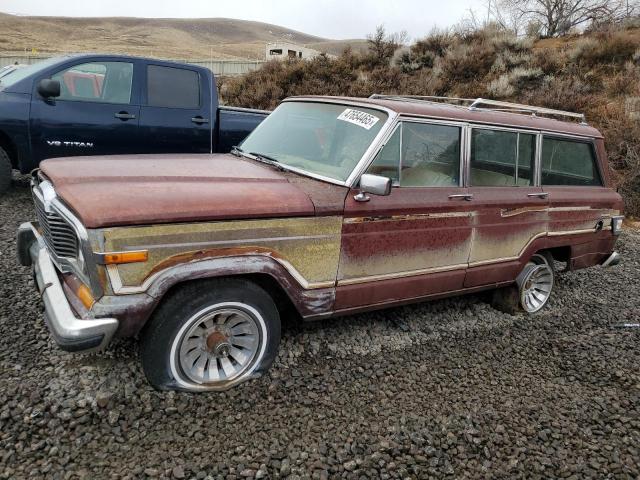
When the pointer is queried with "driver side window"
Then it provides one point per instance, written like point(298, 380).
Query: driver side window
point(420, 155)
point(104, 82)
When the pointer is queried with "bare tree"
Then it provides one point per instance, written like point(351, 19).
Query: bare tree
point(558, 17)
point(383, 45)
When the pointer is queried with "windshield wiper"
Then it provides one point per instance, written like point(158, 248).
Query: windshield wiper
point(237, 151)
point(268, 160)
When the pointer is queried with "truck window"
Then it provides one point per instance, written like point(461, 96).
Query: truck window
point(106, 82)
point(172, 87)
point(568, 162)
point(428, 155)
point(501, 158)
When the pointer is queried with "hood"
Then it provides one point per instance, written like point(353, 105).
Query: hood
point(148, 189)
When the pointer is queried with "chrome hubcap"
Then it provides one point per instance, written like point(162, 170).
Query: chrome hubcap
point(535, 286)
point(219, 345)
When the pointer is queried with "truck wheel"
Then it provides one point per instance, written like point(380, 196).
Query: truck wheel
point(210, 335)
point(5, 171)
point(532, 289)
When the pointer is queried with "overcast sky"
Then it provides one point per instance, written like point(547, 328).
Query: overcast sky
point(338, 19)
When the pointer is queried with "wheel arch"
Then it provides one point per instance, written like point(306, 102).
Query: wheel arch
point(7, 144)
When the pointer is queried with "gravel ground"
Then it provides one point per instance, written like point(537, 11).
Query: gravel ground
point(449, 388)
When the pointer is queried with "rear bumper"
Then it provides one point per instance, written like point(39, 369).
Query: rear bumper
point(611, 260)
point(71, 333)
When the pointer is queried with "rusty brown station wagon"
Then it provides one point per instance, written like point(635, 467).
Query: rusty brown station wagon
point(331, 206)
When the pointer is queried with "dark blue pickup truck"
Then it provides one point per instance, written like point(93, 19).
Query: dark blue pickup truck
point(112, 104)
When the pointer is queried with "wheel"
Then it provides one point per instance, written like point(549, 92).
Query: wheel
point(5, 171)
point(536, 282)
point(210, 335)
point(532, 289)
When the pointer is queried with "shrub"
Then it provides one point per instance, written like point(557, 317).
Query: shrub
point(616, 48)
point(501, 87)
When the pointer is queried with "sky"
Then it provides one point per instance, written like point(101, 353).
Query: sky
point(336, 19)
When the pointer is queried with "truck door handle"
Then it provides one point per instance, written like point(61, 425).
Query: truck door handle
point(125, 116)
point(539, 195)
point(465, 196)
point(199, 120)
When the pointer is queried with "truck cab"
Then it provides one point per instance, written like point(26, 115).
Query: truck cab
point(112, 104)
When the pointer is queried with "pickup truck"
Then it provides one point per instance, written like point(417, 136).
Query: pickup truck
point(112, 104)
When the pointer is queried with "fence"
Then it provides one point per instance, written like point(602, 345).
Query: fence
point(218, 67)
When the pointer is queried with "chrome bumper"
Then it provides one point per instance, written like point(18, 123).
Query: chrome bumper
point(611, 260)
point(71, 333)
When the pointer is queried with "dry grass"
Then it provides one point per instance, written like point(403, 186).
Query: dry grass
point(165, 38)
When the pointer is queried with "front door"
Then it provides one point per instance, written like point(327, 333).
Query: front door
point(96, 113)
point(510, 209)
point(176, 114)
point(416, 241)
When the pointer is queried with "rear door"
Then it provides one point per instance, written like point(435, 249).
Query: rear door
point(96, 113)
point(414, 242)
point(175, 116)
point(580, 204)
point(510, 208)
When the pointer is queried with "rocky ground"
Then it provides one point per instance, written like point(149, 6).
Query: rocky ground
point(449, 388)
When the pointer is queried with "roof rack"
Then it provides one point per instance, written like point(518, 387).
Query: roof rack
point(484, 104)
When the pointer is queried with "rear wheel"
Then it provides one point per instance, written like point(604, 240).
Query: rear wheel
point(211, 335)
point(532, 289)
point(536, 282)
point(5, 171)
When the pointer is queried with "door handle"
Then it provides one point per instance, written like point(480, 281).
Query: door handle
point(539, 195)
point(465, 196)
point(125, 116)
point(200, 120)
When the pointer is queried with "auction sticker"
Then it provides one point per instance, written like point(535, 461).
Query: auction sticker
point(357, 117)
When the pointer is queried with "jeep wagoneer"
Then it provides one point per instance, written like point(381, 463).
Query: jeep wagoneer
point(331, 206)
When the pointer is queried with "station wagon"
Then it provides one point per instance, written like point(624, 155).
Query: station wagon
point(331, 206)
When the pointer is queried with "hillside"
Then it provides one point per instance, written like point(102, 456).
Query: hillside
point(168, 38)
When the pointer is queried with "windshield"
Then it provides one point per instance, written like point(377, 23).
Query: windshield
point(23, 72)
point(320, 138)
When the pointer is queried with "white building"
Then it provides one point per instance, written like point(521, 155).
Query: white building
point(285, 50)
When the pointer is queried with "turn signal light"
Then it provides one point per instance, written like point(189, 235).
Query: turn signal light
point(85, 296)
point(114, 258)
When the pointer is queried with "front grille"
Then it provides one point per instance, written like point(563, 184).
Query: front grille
point(60, 237)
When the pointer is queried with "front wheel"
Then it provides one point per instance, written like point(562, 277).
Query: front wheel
point(211, 335)
point(5, 171)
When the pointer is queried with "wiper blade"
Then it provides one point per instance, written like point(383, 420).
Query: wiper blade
point(265, 157)
point(268, 160)
point(237, 151)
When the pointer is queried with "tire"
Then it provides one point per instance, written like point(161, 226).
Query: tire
point(210, 335)
point(532, 289)
point(6, 171)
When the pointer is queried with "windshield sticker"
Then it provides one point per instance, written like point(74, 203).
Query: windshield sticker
point(362, 119)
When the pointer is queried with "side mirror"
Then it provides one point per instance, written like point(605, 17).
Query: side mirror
point(374, 184)
point(48, 88)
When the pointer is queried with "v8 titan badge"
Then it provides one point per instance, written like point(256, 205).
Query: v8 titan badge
point(357, 117)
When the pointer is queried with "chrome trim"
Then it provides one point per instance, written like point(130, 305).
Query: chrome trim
point(68, 330)
point(613, 259)
point(89, 274)
point(407, 273)
point(119, 289)
point(418, 216)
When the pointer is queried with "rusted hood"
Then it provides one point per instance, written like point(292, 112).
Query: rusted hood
point(147, 189)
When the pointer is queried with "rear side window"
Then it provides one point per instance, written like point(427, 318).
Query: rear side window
point(172, 87)
point(421, 155)
point(568, 162)
point(500, 158)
